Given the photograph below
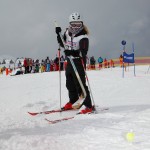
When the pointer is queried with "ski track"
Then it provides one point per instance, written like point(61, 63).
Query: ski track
point(128, 100)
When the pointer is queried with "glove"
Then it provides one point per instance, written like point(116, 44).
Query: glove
point(74, 53)
point(58, 30)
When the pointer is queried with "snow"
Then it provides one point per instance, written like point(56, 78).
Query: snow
point(128, 100)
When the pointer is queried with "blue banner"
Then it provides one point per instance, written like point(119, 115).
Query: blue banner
point(128, 58)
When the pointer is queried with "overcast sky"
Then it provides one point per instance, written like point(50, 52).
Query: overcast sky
point(27, 26)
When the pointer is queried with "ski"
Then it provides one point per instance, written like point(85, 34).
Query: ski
point(75, 106)
point(57, 110)
point(69, 118)
point(58, 120)
point(49, 112)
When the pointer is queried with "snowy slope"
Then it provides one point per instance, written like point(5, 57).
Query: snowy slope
point(128, 99)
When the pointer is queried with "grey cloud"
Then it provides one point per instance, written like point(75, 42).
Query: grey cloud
point(27, 26)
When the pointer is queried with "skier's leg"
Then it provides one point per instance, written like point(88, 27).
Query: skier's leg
point(73, 93)
point(86, 106)
point(87, 101)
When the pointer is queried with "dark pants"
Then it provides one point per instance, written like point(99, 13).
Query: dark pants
point(73, 85)
point(26, 69)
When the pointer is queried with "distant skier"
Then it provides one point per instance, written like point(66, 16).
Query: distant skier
point(76, 38)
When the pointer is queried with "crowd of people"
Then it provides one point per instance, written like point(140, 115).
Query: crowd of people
point(47, 65)
point(29, 65)
point(102, 63)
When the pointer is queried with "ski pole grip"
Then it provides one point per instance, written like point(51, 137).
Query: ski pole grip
point(56, 25)
point(58, 31)
point(57, 28)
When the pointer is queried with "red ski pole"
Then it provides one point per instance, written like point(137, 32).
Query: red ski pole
point(59, 77)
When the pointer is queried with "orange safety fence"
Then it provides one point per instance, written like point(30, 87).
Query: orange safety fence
point(138, 61)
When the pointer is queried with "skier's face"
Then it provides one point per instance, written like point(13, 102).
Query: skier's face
point(76, 25)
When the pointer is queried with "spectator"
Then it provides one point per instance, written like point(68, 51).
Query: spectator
point(17, 72)
point(25, 65)
point(19, 64)
point(62, 59)
point(100, 61)
point(56, 63)
point(30, 65)
point(105, 63)
point(47, 61)
point(33, 67)
point(37, 66)
point(52, 65)
point(92, 62)
point(121, 60)
point(1, 70)
point(112, 63)
point(42, 66)
point(108, 64)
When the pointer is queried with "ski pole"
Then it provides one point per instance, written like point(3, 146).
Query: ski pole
point(148, 69)
point(59, 76)
point(73, 65)
point(89, 85)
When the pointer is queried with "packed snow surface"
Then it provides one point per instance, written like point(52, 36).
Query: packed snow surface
point(128, 100)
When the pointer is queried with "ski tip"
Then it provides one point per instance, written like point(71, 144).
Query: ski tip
point(32, 114)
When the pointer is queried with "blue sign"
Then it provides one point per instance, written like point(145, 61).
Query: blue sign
point(128, 58)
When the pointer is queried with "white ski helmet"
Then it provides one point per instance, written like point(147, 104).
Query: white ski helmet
point(75, 17)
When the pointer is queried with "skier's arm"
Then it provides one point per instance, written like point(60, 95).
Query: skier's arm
point(84, 45)
point(59, 41)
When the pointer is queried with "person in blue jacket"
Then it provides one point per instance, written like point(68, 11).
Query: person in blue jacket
point(100, 61)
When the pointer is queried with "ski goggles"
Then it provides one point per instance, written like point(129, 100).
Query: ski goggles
point(76, 24)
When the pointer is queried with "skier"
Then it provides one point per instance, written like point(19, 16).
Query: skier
point(76, 39)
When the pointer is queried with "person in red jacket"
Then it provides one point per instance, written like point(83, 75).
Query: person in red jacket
point(25, 65)
point(112, 63)
point(105, 63)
